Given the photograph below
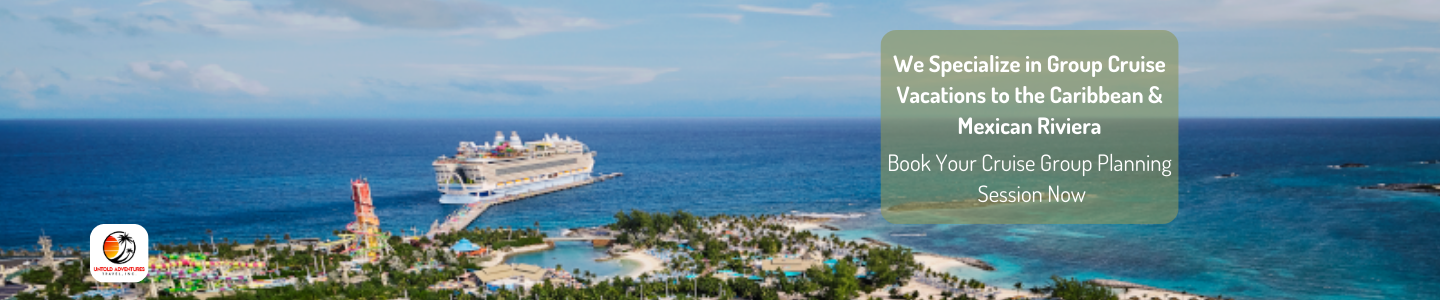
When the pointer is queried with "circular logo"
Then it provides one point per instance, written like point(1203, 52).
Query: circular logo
point(119, 247)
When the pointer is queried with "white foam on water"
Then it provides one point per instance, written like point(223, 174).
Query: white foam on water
point(826, 215)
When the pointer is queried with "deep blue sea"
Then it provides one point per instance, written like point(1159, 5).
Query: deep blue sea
point(1287, 228)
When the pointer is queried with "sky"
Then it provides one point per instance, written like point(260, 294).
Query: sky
point(494, 59)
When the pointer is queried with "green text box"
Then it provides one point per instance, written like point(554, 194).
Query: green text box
point(1138, 130)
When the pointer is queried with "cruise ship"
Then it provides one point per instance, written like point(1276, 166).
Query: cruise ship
point(489, 171)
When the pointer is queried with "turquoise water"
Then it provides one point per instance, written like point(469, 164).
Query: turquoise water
point(1287, 228)
point(572, 255)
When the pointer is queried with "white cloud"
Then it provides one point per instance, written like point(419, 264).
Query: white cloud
point(1012, 14)
point(1396, 50)
point(1219, 13)
point(1188, 70)
point(208, 78)
point(242, 17)
point(19, 87)
point(219, 6)
point(573, 77)
point(815, 10)
point(528, 22)
point(733, 18)
point(832, 82)
point(81, 12)
point(328, 16)
point(836, 78)
point(848, 55)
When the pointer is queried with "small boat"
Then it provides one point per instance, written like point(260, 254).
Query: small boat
point(1232, 174)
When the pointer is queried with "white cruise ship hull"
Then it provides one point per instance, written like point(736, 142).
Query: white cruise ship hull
point(458, 194)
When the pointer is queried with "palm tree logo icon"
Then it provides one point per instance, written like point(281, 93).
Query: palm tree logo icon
point(119, 247)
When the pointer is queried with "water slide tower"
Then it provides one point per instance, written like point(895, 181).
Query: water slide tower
point(366, 228)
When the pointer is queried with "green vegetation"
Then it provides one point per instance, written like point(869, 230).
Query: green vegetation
point(1074, 289)
point(496, 238)
point(890, 265)
point(704, 246)
point(839, 282)
point(649, 224)
point(42, 275)
point(70, 282)
point(224, 249)
point(769, 244)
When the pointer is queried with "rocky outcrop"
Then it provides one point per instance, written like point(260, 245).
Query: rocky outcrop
point(975, 262)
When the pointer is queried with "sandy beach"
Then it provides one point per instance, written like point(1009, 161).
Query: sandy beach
point(648, 264)
point(1127, 290)
point(1147, 293)
point(499, 256)
point(940, 263)
point(803, 226)
point(808, 223)
point(945, 264)
point(925, 290)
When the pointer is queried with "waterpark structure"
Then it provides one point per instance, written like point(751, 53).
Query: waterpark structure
point(366, 241)
point(192, 272)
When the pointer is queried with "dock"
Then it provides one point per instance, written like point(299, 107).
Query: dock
point(461, 218)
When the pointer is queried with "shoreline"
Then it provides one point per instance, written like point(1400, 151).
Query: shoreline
point(943, 262)
point(500, 256)
point(932, 261)
point(648, 264)
point(1131, 289)
point(803, 226)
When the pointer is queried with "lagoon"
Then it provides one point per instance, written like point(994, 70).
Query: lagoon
point(572, 255)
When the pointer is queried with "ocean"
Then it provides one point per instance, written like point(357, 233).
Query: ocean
point(1287, 228)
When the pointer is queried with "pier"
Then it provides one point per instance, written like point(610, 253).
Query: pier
point(461, 218)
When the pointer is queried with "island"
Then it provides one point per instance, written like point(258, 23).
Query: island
point(681, 256)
